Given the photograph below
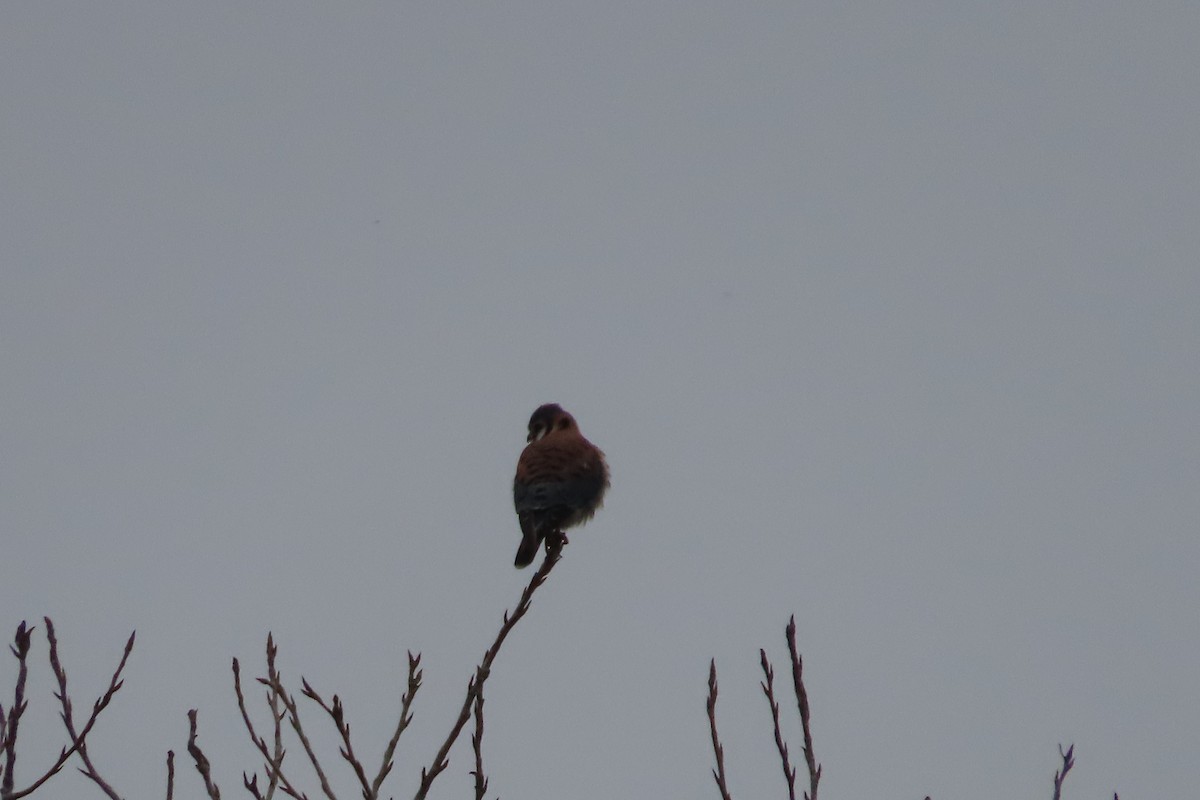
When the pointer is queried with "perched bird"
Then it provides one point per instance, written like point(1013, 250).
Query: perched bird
point(561, 480)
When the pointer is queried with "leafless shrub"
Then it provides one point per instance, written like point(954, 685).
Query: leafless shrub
point(283, 707)
point(284, 713)
point(768, 687)
point(802, 707)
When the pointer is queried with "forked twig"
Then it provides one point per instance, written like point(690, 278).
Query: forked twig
point(283, 706)
point(20, 649)
point(89, 769)
point(293, 714)
point(336, 712)
point(1068, 761)
point(475, 684)
point(273, 755)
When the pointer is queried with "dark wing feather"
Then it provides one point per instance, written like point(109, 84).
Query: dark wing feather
point(576, 493)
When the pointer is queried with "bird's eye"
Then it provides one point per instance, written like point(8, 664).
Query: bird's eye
point(563, 423)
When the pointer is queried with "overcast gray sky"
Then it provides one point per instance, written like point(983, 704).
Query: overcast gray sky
point(884, 313)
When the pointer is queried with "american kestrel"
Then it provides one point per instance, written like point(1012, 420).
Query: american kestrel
point(561, 480)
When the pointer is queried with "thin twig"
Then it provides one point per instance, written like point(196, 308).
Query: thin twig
point(1068, 761)
point(718, 749)
point(170, 774)
point(293, 712)
point(77, 741)
point(20, 649)
point(275, 763)
point(814, 769)
point(250, 783)
point(259, 743)
point(406, 701)
point(89, 769)
point(202, 765)
point(475, 684)
point(337, 713)
point(481, 781)
point(278, 714)
point(273, 757)
point(768, 687)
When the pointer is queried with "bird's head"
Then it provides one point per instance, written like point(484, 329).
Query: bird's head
point(547, 419)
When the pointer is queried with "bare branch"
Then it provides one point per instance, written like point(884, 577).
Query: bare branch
point(554, 547)
point(202, 765)
point(20, 649)
point(1068, 761)
point(77, 740)
point(337, 713)
point(251, 786)
point(170, 774)
point(768, 687)
point(718, 749)
point(272, 755)
point(481, 781)
point(814, 769)
point(89, 768)
point(406, 701)
point(293, 713)
point(274, 763)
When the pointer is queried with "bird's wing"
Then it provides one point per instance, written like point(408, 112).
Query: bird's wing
point(550, 474)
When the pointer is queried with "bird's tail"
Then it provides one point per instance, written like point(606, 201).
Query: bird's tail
point(529, 546)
